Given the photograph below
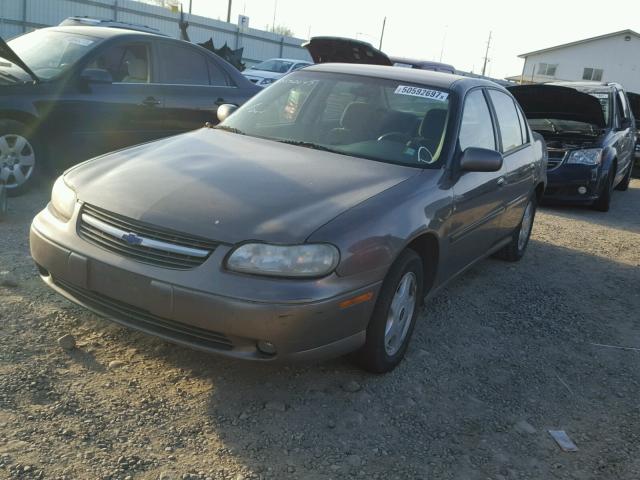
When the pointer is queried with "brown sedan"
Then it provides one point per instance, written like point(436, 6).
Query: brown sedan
point(311, 223)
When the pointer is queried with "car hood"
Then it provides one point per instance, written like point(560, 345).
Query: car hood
point(261, 74)
point(562, 103)
point(230, 188)
point(345, 50)
point(8, 54)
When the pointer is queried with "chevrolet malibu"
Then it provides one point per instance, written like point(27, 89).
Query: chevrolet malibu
point(312, 222)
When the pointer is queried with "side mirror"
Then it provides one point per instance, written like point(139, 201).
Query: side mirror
point(625, 123)
point(96, 75)
point(480, 160)
point(225, 110)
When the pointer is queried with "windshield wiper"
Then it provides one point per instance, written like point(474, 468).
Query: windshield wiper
point(314, 146)
point(228, 129)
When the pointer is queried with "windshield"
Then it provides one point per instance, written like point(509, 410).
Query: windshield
point(49, 53)
point(385, 120)
point(275, 65)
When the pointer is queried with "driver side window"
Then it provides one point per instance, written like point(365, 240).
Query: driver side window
point(476, 129)
point(127, 63)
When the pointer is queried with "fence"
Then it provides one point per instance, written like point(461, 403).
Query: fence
point(19, 16)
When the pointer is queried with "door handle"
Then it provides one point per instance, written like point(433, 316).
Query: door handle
point(220, 101)
point(151, 102)
point(501, 181)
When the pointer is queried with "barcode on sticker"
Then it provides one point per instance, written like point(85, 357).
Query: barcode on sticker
point(421, 92)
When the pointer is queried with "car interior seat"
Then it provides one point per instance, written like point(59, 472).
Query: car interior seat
point(358, 123)
point(136, 71)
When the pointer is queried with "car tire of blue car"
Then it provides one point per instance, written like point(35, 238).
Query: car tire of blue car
point(623, 186)
point(20, 156)
point(376, 356)
point(515, 249)
point(603, 202)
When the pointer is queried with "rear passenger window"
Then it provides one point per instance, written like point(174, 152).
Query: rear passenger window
point(217, 76)
point(477, 128)
point(508, 121)
point(183, 66)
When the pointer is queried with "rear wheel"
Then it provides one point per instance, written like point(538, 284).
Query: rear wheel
point(603, 203)
point(514, 250)
point(394, 315)
point(17, 156)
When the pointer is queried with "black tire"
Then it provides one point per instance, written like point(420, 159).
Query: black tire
point(603, 203)
point(10, 131)
point(373, 356)
point(515, 250)
point(623, 186)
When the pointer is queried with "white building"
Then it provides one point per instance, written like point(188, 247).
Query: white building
point(614, 57)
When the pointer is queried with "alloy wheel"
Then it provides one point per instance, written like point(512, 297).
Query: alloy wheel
point(400, 313)
point(17, 160)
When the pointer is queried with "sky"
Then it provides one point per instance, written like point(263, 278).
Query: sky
point(458, 30)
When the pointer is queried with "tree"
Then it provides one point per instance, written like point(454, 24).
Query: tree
point(281, 30)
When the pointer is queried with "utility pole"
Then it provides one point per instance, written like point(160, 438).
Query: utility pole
point(444, 39)
point(486, 55)
point(384, 22)
point(229, 12)
point(190, 5)
point(275, 8)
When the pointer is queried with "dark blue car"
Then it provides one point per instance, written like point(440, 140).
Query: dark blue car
point(590, 134)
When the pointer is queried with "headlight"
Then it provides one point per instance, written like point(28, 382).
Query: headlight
point(267, 81)
point(63, 199)
point(312, 260)
point(590, 156)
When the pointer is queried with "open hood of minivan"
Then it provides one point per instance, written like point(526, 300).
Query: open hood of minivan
point(7, 53)
point(561, 103)
point(345, 50)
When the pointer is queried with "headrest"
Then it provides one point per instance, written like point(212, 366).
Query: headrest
point(433, 123)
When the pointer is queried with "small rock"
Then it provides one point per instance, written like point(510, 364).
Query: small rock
point(354, 461)
point(115, 364)
point(67, 342)
point(351, 386)
point(275, 406)
point(167, 476)
point(524, 427)
point(331, 424)
point(8, 280)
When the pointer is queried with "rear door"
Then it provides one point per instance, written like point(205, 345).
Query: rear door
point(518, 156)
point(626, 135)
point(478, 196)
point(194, 85)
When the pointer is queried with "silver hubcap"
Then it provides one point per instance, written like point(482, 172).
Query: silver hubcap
point(400, 314)
point(17, 160)
point(525, 228)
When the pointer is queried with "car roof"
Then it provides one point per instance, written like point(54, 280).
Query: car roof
point(102, 32)
point(413, 75)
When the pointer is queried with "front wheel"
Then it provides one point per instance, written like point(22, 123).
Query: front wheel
point(623, 186)
point(394, 315)
point(603, 203)
point(17, 156)
point(514, 250)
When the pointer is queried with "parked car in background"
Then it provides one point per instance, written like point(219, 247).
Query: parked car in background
point(265, 73)
point(309, 224)
point(590, 134)
point(69, 93)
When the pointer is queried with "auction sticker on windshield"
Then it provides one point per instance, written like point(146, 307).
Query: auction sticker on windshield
point(421, 92)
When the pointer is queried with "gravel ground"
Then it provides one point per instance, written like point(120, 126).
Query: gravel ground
point(502, 355)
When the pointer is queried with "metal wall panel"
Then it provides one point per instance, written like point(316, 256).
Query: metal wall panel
point(258, 45)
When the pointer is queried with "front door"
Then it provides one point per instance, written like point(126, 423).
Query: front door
point(478, 196)
point(107, 116)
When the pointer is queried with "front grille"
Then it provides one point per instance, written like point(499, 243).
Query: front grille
point(556, 157)
point(143, 320)
point(162, 247)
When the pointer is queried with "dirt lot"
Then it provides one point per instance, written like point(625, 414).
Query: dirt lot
point(505, 353)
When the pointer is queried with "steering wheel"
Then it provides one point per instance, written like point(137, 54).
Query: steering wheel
point(394, 137)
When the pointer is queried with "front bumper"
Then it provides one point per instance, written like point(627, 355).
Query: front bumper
point(171, 305)
point(565, 181)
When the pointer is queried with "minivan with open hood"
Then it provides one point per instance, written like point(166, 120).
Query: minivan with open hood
point(590, 134)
